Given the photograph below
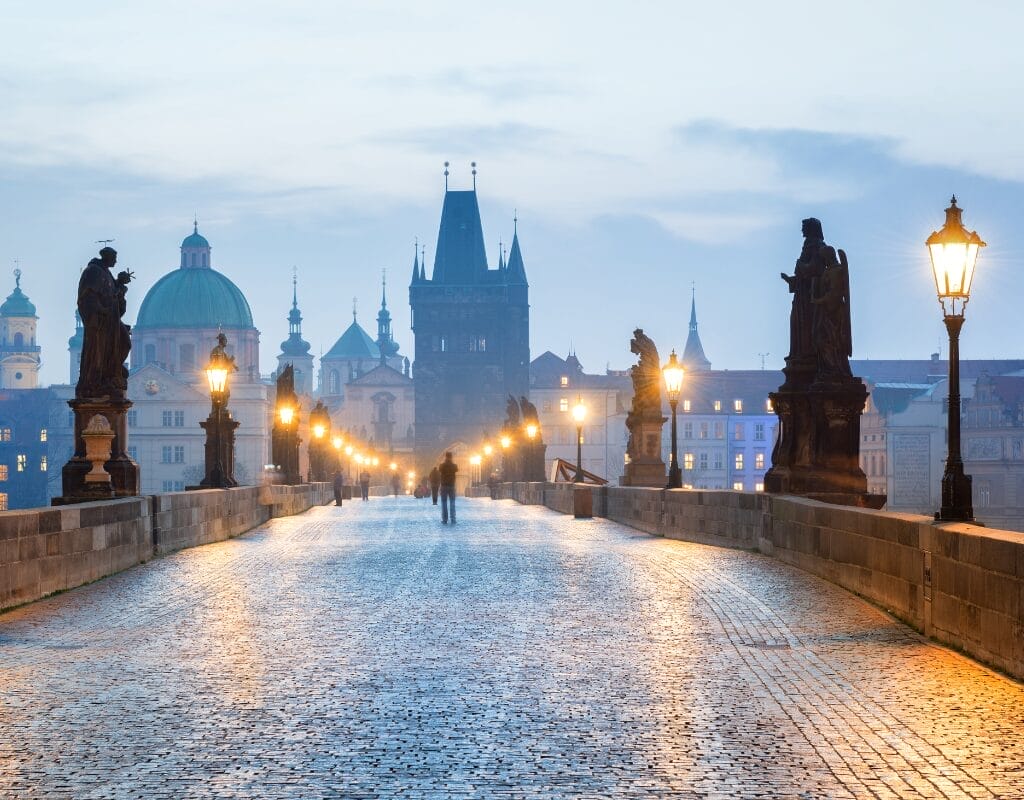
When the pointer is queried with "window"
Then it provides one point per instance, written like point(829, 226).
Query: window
point(758, 487)
point(165, 455)
point(737, 432)
point(703, 430)
point(133, 418)
point(737, 406)
point(179, 419)
point(3, 472)
point(703, 460)
point(3, 501)
point(768, 406)
point(565, 380)
point(563, 404)
point(546, 405)
point(719, 430)
point(718, 405)
point(687, 460)
point(168, 486)
point(758, 431)
point(444, 344)
point(687, 430)
point(19, 340)
point(477, 344)
point(22, 462)
point(718, 459)
point(984, 494)
point(133, 453)
point(166, 418)
point(179, 454)
point(737, 486)
point(759, 459)
point(42, 464)
point(42, 435)
point(738, 462)
point(5, 434)
point(187, 357)
point(150, 354)
point(179, 486)
point(686, 405)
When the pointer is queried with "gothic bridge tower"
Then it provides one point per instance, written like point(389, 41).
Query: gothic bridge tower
point(472, 331)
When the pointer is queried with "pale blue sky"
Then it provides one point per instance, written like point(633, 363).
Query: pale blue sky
point(646, 145)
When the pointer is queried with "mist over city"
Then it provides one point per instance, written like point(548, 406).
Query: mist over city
point(546, 399)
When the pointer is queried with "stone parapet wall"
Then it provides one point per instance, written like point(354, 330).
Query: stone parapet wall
point(960, 584)
point(46, 550)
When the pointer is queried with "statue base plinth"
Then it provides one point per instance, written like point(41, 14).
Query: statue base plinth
point(640, 473)
point(818, 450)
point(124, 473)
point(533, 455)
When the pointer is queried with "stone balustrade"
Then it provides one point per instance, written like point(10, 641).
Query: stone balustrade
point(963, 585)
point(47, 550)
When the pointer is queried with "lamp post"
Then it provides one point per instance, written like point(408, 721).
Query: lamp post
point(320, 425)
point(954, 253)
point(579, 414)
point(287, 434)
point(673, 372)
point(217, 475)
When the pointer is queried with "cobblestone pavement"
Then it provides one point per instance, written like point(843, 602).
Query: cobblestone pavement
point(369, 651)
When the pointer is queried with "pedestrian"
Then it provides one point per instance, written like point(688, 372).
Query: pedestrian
point(396, 483)
point(447, 472)
point(364, 484)
point(492, 484)
point(435, 483)
point(339, 486)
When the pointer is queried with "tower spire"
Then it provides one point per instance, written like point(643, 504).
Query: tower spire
point(693, 354)
point(295, 287)
point(446, 176)
point(384, 288)
point(473, 165)
point(355, 301)
point(416, 261)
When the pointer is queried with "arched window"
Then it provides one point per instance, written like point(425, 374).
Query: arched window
point(19, 339)
point(193, 259)
point(334, 383)
point(206, 257)
point(150, 353)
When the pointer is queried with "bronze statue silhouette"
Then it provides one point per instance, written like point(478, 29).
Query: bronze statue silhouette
point(106, 339)
point(832, 338)
point(809, 267)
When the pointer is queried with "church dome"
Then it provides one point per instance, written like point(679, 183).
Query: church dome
point(195, 239)
point(17, 304)
point(354, 343)
point(194, 298)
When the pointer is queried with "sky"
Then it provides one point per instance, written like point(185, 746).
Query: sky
point(649, 149)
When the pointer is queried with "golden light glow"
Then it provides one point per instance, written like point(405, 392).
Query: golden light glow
point(217, 377)
point(393, 466)
point(488, 449)
point(349, 451)
point(474, 460)
point(954, 254)
point(359, 458)
point(673, 372)
point(336, 441)
point(286, 414)
point(319, 431)
point(376, 461)
point(506, 442)
point(531, 431)
point(412, 475)
point(579, 411)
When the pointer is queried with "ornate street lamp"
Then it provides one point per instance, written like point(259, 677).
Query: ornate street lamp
point(320, 424)
point(579, 414)
point(954, 253)
point(531, 431)
point(673, 372)
point(219, 463)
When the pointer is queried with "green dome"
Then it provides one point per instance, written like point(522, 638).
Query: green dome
point(17, 305)
point(354, 343)
point(194, 298)
point(195, 240)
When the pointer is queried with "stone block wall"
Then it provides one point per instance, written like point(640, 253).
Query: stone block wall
point(47, 550)
point(960, 584)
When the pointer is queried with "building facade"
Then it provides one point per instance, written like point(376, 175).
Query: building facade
point(472, 333)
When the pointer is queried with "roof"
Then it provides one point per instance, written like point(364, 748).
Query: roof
point(17, 305)
point(929, 370)
point(194, 298)
point(515, 269)
point(460, 256)
point(693, 353)
point(353, 343)
point(382, 375)
point(195, 239)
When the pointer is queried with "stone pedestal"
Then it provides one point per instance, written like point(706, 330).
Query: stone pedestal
point(532, 460)
point(817, 453)
point(646, 467)
point(284, 444)
point(227, 450)
point(124, 473)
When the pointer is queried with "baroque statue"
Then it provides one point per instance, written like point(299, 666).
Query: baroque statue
point(809, 267)
point(646, 375)
point(530, 415)
point(511, 414)
point(833, 341)
point(644, 420)
point(107, 340)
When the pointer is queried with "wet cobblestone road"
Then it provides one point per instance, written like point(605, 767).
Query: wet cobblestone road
point(369, 651)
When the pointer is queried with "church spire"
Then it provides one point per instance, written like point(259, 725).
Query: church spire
point(693, 354)
point(385, 343)
point(294, 345)
point(416, 262)
point(515, 270)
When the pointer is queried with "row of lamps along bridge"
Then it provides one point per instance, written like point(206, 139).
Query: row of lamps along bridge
point(953, 251)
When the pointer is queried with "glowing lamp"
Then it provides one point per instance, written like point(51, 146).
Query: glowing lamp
point(506, 442)
point(954, 255)
point(336, 441)
point(531, 431)
point(286, 414)
point(319, 431)
point(579, 411)
point(673, 372)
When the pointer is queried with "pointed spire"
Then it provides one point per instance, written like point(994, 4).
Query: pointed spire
point(501, 255)
point(416, 262)
point(473, 165)
point(693, 354)
point(295, 287)
point(384, 288)
point(514, 269)
point(423, 264)
point(295, 346)
point(355, 302)
point(446, 176)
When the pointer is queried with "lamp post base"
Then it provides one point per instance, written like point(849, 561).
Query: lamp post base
point(957, 501)
point(675, 477)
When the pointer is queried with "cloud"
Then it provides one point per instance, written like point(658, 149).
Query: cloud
point(504, 137)
point(505, 84)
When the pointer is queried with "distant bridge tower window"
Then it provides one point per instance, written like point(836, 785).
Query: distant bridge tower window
point(42, 435)
point(22, 462)
point(3, 472)
point(42, 464)
point(5, 433)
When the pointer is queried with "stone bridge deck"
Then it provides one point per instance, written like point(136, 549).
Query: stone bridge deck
point(369, 651)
